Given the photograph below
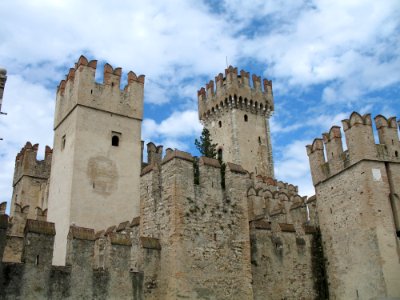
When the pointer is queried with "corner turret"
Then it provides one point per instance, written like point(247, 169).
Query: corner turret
point(30, 180)
point(357, 199)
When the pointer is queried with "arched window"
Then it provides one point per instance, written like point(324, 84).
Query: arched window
point(246, 118)
point(220, 124)
point(115, 141)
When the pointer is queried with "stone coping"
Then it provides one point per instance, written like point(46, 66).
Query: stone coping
point(146, 169)
point(150, 243)
point(207, 161)
point(135, 222)
point(236, 168)
point(119, 239)
point(177, 154)
point(287, 227)
point(261, 224)
point(81, 233)
point(40, 227)
point(122, 226)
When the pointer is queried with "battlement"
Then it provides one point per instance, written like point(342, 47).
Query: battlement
point(275, 203)
point(328, 158)
point(235, 91)
point(80, 88)
point(27, 164)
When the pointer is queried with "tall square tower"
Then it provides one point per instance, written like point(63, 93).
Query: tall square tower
point(237, 115)
point(94, 180)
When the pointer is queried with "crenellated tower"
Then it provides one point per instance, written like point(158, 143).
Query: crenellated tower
point(358, 205)
point(30, 183)
point(237, 113)
point(97, 148)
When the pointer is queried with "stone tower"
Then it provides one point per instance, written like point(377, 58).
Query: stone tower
point(237, 115)
point(96, 163)
point(358, 206)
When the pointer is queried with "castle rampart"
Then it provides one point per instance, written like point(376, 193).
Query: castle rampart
point(187, 237)
point(358, 207)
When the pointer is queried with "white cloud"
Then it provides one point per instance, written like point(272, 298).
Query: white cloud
point(350, 44)
point(293, 167)
point(171, 131)
point(29, 109)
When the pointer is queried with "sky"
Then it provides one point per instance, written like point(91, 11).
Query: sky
point(326, 59)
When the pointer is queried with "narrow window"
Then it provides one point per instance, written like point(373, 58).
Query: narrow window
point(246, 118)
point(220, 154)
point(37, 260)
point(220, 124)
point(115, 141)
point(259, 140)
point(396, 153)
point(63, 141)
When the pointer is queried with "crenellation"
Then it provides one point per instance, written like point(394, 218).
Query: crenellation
point(210, 89)
point(244, 79)
point(388, 136)
point(334, 149)
point(80, 89)
point(112, 76)
point(359, 137)
point(316, 156)
point(234, 91)
point(154, 154)
point(80, 259)
point(360, 145)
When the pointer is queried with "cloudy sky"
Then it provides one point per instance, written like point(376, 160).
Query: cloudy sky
point(326, 59)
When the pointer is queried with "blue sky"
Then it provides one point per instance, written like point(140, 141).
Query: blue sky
point(326, 59)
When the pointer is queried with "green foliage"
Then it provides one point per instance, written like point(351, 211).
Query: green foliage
point(208, 149)
point(205, 145)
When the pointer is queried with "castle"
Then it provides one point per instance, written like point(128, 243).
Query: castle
point(94, 221)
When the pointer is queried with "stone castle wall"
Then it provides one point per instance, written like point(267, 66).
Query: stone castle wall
point(358, 206)
point(192, 240)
